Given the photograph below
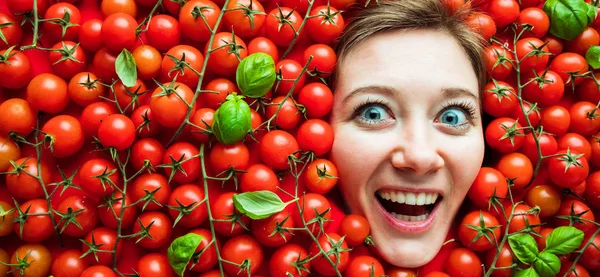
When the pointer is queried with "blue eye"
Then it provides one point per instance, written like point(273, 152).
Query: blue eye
point(454, 117)
point(372, 113)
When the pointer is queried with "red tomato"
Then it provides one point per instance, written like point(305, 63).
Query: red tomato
point(590, 258)
point(146, 151)
point(485, 237)
point(364, 266)
point(153, 188)
point(320, 176)
point(592, 189)
point(84, 89)
point(48, 92)
point(325, 24)
point(128, 98)
point(65, 134)
point(203, 118)
point(313, 205)
point(315, 135)
point(15, 68)
point(35, 228)
point(568, 169)
point(186, 206)
point(577, 209)
point(522, 216)
point(533, 54)
point(90, 35)
point(259, 177)
point(569, 67)
point(163, 32)
point(503, 12)
point(239, 249)
point(537, 19)
point(245, 18)
point(284, 111)
point(499, 99)
point(577, 143)
point(6, 215)
point(35, 256)
point(16, 115)
point(263, 45)
point(489, 183)
point(232, 221)
point(281, 25)
point(194, 26)
point(68, 264)
point(546, 90)
point(98, 271)
point(504, 135)
point(143, 122)
point(99, 177)
point(12, 31)
point(154, 264)
point(118, 32)
point(289, 71)
point(284, 262)
point(578, 271)
point(92, 116)
point(116, 131)
point(67, 59)
point(23, 185)
point(77, 215)
point(148, 61)
point(172, 66)
point(556, 120)
point(158, 229)
point(505, 259)
point(276, 146)
point(225, 60)
point(169, 104)
point(115, 203)
point(585, 118)
point(463, 262)
point(355, 228)
point(481, 23)
point(216, 92)
point(104, 239)
point(581, 43)
point(517, 167)
point(270, 231)
point(327, 242)
point(182, 162)
point(317, 98)
point(104, 65)
point(546, 197)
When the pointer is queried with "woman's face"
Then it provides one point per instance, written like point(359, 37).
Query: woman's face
point(408, 139)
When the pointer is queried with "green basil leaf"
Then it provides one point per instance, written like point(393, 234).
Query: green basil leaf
point(592, 56)
point(181, 251)
point(258, 204)
point(126, 68)
point(524, 247)
point(232, 120)
point(256, 75)
point(563, 240)
point(547, 264)
point(530, 272)
point(591, 14)
point(568, 18)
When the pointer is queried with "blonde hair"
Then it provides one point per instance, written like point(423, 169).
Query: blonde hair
point(391, 15)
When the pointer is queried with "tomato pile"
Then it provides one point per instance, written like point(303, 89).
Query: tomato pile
point(190, 137)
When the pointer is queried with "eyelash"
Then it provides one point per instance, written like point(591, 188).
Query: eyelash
point(466, 106)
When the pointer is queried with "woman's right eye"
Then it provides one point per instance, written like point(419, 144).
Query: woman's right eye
point(372, 113)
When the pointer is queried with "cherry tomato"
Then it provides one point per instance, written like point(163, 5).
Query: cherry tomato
point(35, 228)
point(239, 249)
point(568, 169)
point(267, 232)
point(68, 264)
point(194, 26)
point(23, 185)
point(283, 260)
point(155, 264)
point(154, 188)
point(158, 226)
point(463, 262)
point(355, 228)
point(65, 135)
point(118, 32)
point(186, 206)
point(327, 242)
point(48, 92)
point(489, 183)
point(489, 228)
point(364, 266)
point(37, 257)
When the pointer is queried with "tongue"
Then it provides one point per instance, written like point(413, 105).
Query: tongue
point(404, 209)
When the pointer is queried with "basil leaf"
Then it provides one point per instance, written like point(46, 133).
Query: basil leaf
point(591, 13)
point(547, 264)
point(530, 272)
point(181, 251)
point(563, 240)
point(256, 75)
point(232, 120)
point(126, 68)
point(592, 56)
point(258, 204)
point(524, 247)
point(568, 18)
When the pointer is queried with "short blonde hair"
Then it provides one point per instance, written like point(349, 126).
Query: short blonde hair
point(391, 15)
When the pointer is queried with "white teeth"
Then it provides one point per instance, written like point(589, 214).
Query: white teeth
point(409, 217)
point(410, 198)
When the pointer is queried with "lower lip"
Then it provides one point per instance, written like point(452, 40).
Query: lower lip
point(408, 226)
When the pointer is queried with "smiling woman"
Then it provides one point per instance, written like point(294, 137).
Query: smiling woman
point(407, 122)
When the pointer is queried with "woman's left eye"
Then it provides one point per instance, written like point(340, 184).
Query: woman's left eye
point(453, 117)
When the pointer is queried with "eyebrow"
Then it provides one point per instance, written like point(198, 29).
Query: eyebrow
point(452, 92)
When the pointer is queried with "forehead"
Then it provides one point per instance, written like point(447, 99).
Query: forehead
point(407, 60)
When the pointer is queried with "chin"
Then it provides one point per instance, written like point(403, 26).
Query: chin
point(407, 253)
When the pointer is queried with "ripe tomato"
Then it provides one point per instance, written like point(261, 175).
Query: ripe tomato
point(537, 19)
point(185, 156)
point(239, 249)
point(546, 91)
point(225, 60)
point(264, 45)
point(146, 150)
point(517, 167)
point(327, 242)
point(223, 157)
point(115, 202)
point(245, 18)
point(47, 92)
point(497, 62)
point(151, 184)
point(317, 98)
point(129, 98)
point(143, 123)
point(505, 259)
point(259, 177)
point(289, 71)
point(579, 271)
point(15, 68)
point(154, 264)
point(36, 228)
point(504, 135)
point(67, 59)
point(546, 197)
point(592, 189)
point(158, 226)
point(577, 143)
point(569, 66)
point(315, 135)
point(36, 256)
point(581, 43)
point(281, 25)
point(321, 176)
point(284, 261)
point(148, 61)
point(118, 32)
point(488, 238)
point(186, 206)
point(268, 231)
point(522, 216)
point(583, 215)
point(276, 146)
point(66, 135)
point(12, 31)
point(169, 104)
point(16, 115)
point(585, 118)
point(163, 32)
point(503, 12)
point(90, 35)
point(568, 169)
point(77, 215)
point(207, 258)
point(287, 116)
point(556, 120)
point(92, 116)
point(6, 218)
point(481, 23)
point(172, 68)
point(463, 262)
point(84, 89)
point(488, 183)
point(590, 258)
point(98, 271)
point(202, 118)
point(193, 16)
point(4, 259)
point(115, 6)
point(533, 114)
point(532, 54)
point(223, 209)
point(21, 184)
point(99, 177)
point(68, 264)
point(9, 151)
point(364, 266)
point(216, 92)
point(354, 228)
point(499, 99)
point(311, 206)
point(325, 24)
point(101, 238)
point(104, 65)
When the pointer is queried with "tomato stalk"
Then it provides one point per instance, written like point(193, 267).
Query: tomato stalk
point(297, 32)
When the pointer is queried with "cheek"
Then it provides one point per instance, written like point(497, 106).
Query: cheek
point(465, 164)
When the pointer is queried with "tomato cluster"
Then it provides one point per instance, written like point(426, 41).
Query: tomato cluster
point(103, 170)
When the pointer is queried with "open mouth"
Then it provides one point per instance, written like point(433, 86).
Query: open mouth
point(408, 206)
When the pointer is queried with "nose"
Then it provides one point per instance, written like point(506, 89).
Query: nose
point(418, 150)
